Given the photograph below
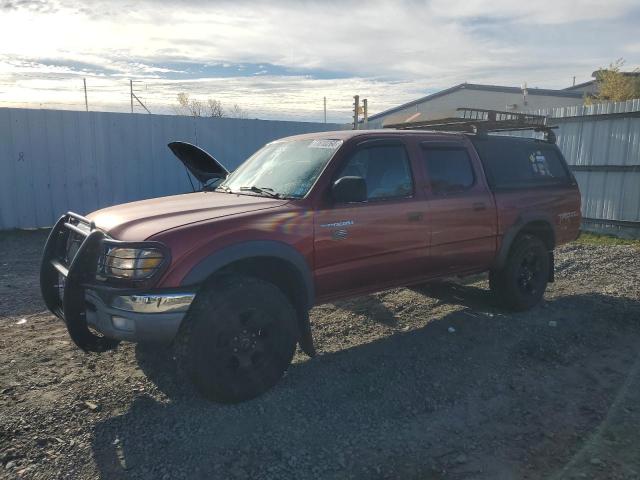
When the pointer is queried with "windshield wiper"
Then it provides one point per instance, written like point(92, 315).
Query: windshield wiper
point(261, 190)
point(223, 188)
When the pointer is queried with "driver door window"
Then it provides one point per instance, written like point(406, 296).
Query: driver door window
point(385, 169)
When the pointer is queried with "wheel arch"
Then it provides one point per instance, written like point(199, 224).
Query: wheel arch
point(272, 261)
point(539, 225)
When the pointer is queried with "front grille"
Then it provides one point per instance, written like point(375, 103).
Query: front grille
point(73, 242)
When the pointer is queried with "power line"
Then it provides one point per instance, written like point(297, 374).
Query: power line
point(159, 96)
point(133, 95)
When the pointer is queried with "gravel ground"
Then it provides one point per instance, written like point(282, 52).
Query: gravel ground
point(424, 383)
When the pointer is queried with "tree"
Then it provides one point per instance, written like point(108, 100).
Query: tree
point(614, 86)
point(238, 112)
point(193, 107)
point(215, 108)
point(188, 106)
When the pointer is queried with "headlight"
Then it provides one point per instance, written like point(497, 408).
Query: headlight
point(132, 263)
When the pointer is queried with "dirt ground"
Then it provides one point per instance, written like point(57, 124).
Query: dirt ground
point(424, 383)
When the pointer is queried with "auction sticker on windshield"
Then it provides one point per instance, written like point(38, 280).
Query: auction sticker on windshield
point(330, 144)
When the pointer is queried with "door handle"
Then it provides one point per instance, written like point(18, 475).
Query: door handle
point(414, 216)
point(478, 206)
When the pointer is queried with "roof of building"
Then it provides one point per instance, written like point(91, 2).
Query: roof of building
point(634, 73)
point(580, 85)
point(476, 86)
point(595, 76)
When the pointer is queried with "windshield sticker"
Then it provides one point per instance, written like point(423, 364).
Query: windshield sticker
point(330, 144)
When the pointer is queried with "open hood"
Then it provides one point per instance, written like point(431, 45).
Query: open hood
point(201, 165)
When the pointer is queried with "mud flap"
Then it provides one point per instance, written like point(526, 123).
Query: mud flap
point(306, 338)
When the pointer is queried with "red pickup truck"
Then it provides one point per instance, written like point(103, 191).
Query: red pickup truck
point(232, 270)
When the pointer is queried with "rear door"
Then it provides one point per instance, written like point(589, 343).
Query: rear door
point(461, 211)
point(377, 243)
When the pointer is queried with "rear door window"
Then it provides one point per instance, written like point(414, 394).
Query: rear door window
point(449, 169)
point(518, 164)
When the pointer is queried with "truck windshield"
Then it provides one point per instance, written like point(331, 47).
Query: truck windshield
point(285, 169)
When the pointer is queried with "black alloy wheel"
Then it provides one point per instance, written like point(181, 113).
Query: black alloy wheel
point(241, 338)
point(520, 284)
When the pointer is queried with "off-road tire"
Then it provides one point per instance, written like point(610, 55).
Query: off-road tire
point(241, 337)
point(521, 283)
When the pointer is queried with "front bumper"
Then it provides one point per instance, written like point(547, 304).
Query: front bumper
point(140, 317)
point(98, 315)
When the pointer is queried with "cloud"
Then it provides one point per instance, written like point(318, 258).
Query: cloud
point(41, 6)
point(539, 12)
point(263, 96)
point(410, 47)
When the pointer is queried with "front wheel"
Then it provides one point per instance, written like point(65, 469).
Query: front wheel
point(241, 339)
point(521, 283)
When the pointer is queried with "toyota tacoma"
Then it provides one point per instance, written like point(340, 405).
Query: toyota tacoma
point(231, 271)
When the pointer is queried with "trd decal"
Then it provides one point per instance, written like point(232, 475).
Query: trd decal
point(344, 223)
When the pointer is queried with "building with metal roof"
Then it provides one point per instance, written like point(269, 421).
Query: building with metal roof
point(444, 104)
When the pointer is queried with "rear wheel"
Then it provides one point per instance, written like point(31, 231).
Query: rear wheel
point(242, 337)
point(521, 283)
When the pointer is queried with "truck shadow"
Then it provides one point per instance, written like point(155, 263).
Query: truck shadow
point(454, 292)
point(502, 394)
point(457, 293)
point(371, 306)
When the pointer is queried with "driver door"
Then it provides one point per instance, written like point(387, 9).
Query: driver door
point(378, 243)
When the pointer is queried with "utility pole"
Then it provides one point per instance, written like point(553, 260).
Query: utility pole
point(365, 113)
point(86, 102)
point(133, 95)
point(325, 109)
point(356, 111)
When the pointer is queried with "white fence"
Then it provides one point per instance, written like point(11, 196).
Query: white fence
point(52, 161)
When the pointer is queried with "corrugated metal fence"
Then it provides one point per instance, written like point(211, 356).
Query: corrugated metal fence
point(52, 161)
point(601, 143)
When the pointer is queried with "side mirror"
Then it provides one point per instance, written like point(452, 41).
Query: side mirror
point(349, 190)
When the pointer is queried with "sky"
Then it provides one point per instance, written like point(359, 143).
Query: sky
point(279, 59)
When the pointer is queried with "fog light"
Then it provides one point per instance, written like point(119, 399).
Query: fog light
point(124, 324)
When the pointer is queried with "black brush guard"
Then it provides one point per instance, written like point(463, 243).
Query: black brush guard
point(74, 272)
